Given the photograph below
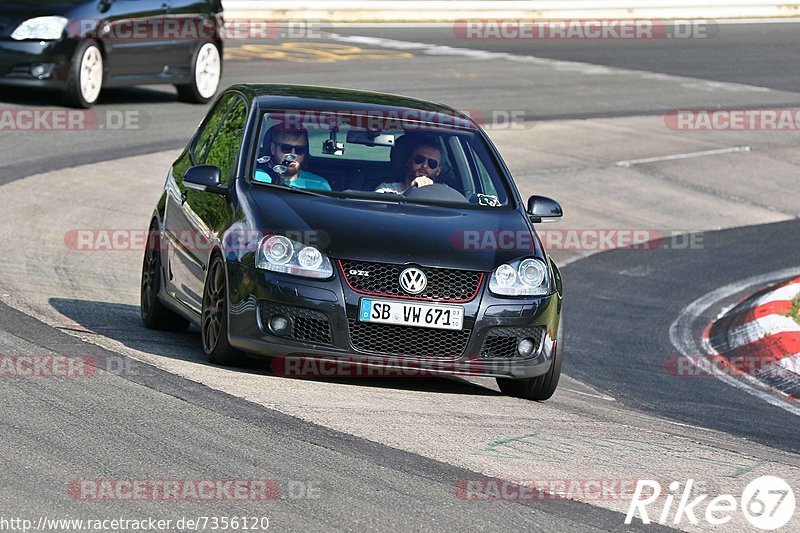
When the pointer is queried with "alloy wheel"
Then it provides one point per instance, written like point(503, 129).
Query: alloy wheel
point(213, 307)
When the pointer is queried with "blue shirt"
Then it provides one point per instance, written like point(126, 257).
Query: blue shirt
point(305, 180)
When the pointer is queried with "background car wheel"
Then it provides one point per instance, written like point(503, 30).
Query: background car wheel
point(214, 318)
point(206, 73)
point(86, 76)
point(539, 388)
point(154, 314)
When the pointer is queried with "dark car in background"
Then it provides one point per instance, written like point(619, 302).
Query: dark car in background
point(448, 276)
point(79, 47)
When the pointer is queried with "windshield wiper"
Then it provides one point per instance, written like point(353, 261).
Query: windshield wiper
point(371, 196)
point(292, 188)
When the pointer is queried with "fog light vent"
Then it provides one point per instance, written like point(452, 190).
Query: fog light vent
point(510, 342)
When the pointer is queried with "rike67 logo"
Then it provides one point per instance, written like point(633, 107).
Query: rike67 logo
point(767, 503)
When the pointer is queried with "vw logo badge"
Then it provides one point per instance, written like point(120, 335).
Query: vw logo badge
point(413, 280)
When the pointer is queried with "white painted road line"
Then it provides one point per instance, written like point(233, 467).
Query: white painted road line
point(599, 396)
point(557, 64)
point(687, 155)
point(682, 337)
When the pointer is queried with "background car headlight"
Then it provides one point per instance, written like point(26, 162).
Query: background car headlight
point(281, 254)
point(526, 277)
point(43, 28)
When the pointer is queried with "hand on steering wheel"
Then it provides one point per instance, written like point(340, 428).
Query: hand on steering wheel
point(419, 181)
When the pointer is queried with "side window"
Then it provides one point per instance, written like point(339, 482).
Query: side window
point(224, 149)
point(208, 129)
point(486, 180)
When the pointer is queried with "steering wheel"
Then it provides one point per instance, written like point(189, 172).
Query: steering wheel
point(436, 191)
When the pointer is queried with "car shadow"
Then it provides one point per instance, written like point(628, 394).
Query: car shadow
point(115, 96)
point(122, 323)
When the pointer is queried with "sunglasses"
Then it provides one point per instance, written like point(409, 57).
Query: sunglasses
point(432, 163)
point(287, 148)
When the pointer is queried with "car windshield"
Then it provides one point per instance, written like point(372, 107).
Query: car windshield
point(368, 157)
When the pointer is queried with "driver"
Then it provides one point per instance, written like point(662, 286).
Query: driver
point(423, 165)
point(282, 142)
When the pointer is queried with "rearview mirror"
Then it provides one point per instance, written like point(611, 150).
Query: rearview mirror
point(205, 178)
point(541, 207)
point(370, 138)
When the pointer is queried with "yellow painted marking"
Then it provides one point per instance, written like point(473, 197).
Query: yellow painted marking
point(310, 52)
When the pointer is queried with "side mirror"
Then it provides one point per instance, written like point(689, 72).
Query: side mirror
point(541, 207)
point(205, 178)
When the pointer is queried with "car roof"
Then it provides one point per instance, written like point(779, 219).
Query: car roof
point(332, 99)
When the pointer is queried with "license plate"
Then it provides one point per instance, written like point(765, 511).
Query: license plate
point(410, 314)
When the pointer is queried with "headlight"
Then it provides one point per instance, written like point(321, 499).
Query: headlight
point(281, 254)
point(526, 277)
point(42, 28)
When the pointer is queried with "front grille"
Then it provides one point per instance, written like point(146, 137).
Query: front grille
point(307, 325)
point(502, 342)
point(382, 279)
point(388, 339)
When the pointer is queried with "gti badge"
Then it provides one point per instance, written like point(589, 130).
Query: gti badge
point(413, 280)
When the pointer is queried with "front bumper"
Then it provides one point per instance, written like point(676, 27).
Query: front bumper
point(17, 59)
point(253, 291)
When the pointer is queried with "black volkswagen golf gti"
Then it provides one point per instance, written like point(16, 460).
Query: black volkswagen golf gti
point(339, 225)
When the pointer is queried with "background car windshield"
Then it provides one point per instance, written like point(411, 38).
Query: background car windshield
point(354, 153)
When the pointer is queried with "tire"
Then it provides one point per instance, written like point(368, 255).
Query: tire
point(85, 76)
point(154, 314)
point(214, 318)
point(542, 387)
point(205, 77)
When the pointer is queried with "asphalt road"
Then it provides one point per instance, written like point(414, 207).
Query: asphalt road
point(391, 452)
point(621, 306)
point(147, 424)
point(648, 77)
point(758, 54)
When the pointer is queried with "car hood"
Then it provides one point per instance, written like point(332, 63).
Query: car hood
point(450, 237)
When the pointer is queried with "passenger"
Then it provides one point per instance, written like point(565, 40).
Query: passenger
point(283, 141)
point(423, 165)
